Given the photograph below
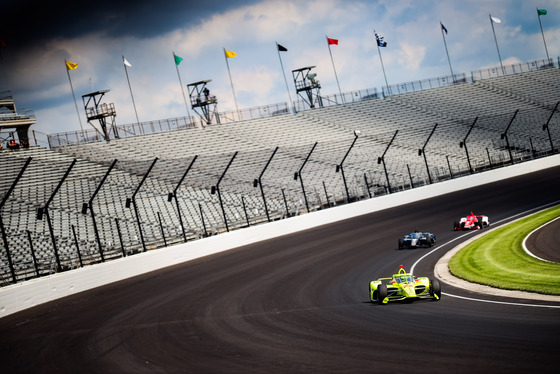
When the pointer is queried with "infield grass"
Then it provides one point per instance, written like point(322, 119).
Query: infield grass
point(498, 259)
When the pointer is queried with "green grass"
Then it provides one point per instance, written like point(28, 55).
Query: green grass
point(498, 259)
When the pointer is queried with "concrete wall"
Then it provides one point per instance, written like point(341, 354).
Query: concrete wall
point(24, 295)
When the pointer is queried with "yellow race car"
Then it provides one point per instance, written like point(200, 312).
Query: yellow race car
point(402, 286)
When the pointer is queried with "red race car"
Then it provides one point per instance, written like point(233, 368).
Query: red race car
point(471, 221)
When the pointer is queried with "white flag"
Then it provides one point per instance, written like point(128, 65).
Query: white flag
point(496, 20)
point(126, 62)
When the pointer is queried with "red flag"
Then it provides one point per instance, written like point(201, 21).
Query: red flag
point(332, 41)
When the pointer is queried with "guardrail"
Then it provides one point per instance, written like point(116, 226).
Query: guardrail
point(20, 115)
point(521, 67)
point(424, 84)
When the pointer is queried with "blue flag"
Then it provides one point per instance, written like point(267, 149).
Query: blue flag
point(380, 41)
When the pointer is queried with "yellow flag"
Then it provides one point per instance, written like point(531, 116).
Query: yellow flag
point(230, 54)
point(71, 65)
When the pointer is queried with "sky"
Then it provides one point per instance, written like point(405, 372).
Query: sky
point(36, 38)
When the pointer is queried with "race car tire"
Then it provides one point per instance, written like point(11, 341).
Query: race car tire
point(401, 243)
point(462, 225)
point(435, 289)
point(372, 298)
point(456, 225)
point(381, 293)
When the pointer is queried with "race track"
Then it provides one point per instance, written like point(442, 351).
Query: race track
point(300, 304)
point(545, 242)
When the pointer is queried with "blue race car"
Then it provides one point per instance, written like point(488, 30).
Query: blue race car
point(417, 239)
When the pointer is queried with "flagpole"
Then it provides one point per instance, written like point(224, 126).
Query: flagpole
point(231, 83)
point(130, 88)
point(285, 80)
point(74, 96)
point(380, 59)
point(544, 41)
point(446, 51)
point(182, 89)
point(496, 40)
point(335, 75)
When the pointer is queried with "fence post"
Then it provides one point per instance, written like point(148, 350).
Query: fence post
point(410, 176)
point(120, 236)
point(133, 201)
point(367, 185)
point(259, 183)
point(77, 246)
point(161, 227)
point(504, 136)
point(423, 151)
point(33, 253)
point(298, 173)
point(382, 159)
point(2, 229)
point(340, 167)
point(45, 210)
point(217, 188)
point(546, 126)
point(245, 210)
point(173, 194)
point(326, 194)
point(89, 205)
point(464, 144)
point(203, 221)
point(285, 203)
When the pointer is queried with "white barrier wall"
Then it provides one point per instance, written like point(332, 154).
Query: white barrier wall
point(24, 295)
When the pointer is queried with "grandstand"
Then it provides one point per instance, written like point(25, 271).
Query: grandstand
point(498, 120)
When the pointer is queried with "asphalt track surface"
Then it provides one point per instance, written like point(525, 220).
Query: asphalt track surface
point(300, 304)
point(545, 242)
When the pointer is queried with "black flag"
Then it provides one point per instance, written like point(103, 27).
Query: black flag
point(281, 48)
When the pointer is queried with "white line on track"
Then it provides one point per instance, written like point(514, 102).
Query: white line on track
point(501, 302)
point(531, 233)
point(497, 222)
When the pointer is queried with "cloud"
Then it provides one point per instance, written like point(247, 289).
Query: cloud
point(411, 56)
point(197, 31)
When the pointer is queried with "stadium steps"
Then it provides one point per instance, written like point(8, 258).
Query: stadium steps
point(413, 114)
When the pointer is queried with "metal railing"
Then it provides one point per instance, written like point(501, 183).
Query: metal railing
point(172, 124)
point(521, 67)
point(424, 84)
point(120, 234)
